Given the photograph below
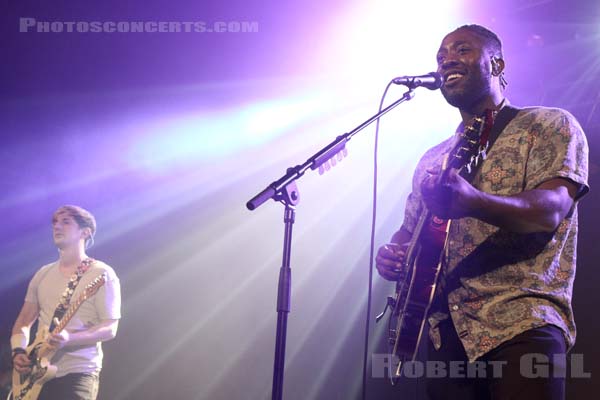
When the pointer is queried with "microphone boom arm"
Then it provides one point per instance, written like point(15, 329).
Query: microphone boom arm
point(315, 161)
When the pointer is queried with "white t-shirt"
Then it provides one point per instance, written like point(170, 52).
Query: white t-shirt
point(46, 288)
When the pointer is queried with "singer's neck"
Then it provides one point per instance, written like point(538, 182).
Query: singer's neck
point(494, 102)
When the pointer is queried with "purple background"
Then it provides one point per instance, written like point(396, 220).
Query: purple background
point(147, 131)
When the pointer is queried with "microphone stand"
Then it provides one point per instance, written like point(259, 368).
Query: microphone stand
point(285, 191)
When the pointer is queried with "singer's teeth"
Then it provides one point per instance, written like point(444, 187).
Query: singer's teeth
point(452, 77)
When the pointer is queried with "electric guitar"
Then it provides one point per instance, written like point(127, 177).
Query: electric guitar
point(28, 386)
point(421, 268)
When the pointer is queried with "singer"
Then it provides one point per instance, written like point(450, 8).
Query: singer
point(507, 268)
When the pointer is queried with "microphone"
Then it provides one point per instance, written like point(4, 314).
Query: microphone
point(431, 81)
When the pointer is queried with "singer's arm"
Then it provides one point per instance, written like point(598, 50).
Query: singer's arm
point(401, 236)
point(537, 210)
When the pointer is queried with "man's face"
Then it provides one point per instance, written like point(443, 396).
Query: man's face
point(65, 230)
point(465, 65)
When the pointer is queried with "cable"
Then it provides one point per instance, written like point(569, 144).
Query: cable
point(372, 250)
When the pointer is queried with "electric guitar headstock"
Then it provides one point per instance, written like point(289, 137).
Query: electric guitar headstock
point(470, 149)
point(94, 286)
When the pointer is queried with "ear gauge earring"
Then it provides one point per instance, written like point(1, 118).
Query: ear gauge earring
point(497, 72)
point(495, 67)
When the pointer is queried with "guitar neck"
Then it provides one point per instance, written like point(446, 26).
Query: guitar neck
point(69, 314)
point(411, 251)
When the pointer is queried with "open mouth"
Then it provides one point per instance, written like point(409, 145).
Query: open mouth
point(452, 78)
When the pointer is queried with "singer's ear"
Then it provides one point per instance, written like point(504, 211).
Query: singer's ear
point(497, 66)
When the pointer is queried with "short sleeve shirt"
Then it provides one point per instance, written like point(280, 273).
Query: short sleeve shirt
point(497, 284)
point(46, 288)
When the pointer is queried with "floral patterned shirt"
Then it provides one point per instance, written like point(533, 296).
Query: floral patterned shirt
point(495, 284)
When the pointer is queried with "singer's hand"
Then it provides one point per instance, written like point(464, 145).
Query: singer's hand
point(452, 199)
point(390, 259)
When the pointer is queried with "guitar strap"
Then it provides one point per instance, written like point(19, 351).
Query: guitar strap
point(505, 115)
point(65, 299)
point(490, 134)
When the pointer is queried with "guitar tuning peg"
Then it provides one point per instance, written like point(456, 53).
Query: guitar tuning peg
point(468, 166)
point(344, 151)
point(332, 161)
point(321, 169)
point(483, 154)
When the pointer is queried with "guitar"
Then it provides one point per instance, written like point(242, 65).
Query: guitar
point(28, 386)
point(416, 288)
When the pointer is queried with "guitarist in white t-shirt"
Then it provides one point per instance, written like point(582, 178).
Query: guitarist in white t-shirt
point(91, 316)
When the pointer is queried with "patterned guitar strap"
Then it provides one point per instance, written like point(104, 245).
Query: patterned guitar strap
point(65, 299)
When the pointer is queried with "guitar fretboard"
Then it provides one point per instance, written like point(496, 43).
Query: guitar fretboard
point(87, 292)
